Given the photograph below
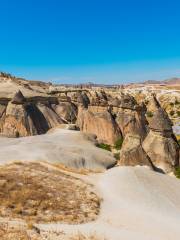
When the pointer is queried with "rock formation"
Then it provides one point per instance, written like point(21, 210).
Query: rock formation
point(67, 111)
point(24, 118)
point(132, 153)
point(97, 112)
point(130, 116)
point(101, 124)
point(95, 118)
point(160, 143)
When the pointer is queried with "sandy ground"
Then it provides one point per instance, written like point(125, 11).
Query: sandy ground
point(138, 204)
point(71, 148)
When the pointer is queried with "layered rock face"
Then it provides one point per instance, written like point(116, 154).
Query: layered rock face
point(160, 143)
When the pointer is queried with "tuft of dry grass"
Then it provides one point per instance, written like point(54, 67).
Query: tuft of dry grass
point(36, 193)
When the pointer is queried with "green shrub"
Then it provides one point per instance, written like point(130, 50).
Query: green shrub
point(146, 102)
point(178, 113)
point(118, 143)
point(104, 146)
point(149, 114)
point(116, 156)
point(171, 104)
point(177, 102)
point(171, 113)
point(177, 172)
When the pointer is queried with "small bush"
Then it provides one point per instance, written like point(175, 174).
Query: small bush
point(171, 104)
point(104, 146)
point(171, 113)
point(149, 114)
point(116, 156)
point(177, 102)
point(177, 172)
point(118, 144)
point(178, 113)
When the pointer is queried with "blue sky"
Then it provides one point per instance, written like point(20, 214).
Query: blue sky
point(99, 41)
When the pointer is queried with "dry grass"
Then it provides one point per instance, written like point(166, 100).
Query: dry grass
point(8, 232)
point(81, 236)
point(15, 231)
point(35, 193)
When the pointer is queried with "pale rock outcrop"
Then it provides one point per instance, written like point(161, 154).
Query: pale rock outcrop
point(161, 144)
point(52, 118)
point(67, 111)
point(72, 149)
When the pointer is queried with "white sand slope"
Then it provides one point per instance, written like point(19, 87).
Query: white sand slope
point(139, 204)
point(71, 148)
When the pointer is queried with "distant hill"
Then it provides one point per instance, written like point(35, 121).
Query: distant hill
point(170, 81)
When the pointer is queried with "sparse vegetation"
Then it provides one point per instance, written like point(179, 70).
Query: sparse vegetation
point(116, 156)
point(118, 144)
point(177, 172)
point(104, 146)
point(171, 104)
point(36, 193)
point(149, 114)
point(17, 232)
point(171, 113)
point(6, 75)
point(178, 113)
point(177, 102)
point(146, 102)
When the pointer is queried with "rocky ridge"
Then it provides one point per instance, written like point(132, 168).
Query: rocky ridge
point(147, 141)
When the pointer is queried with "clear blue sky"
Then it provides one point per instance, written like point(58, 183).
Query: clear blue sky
point(90, 40)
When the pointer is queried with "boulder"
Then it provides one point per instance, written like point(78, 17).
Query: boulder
point(163, 151)
point(132, 153)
